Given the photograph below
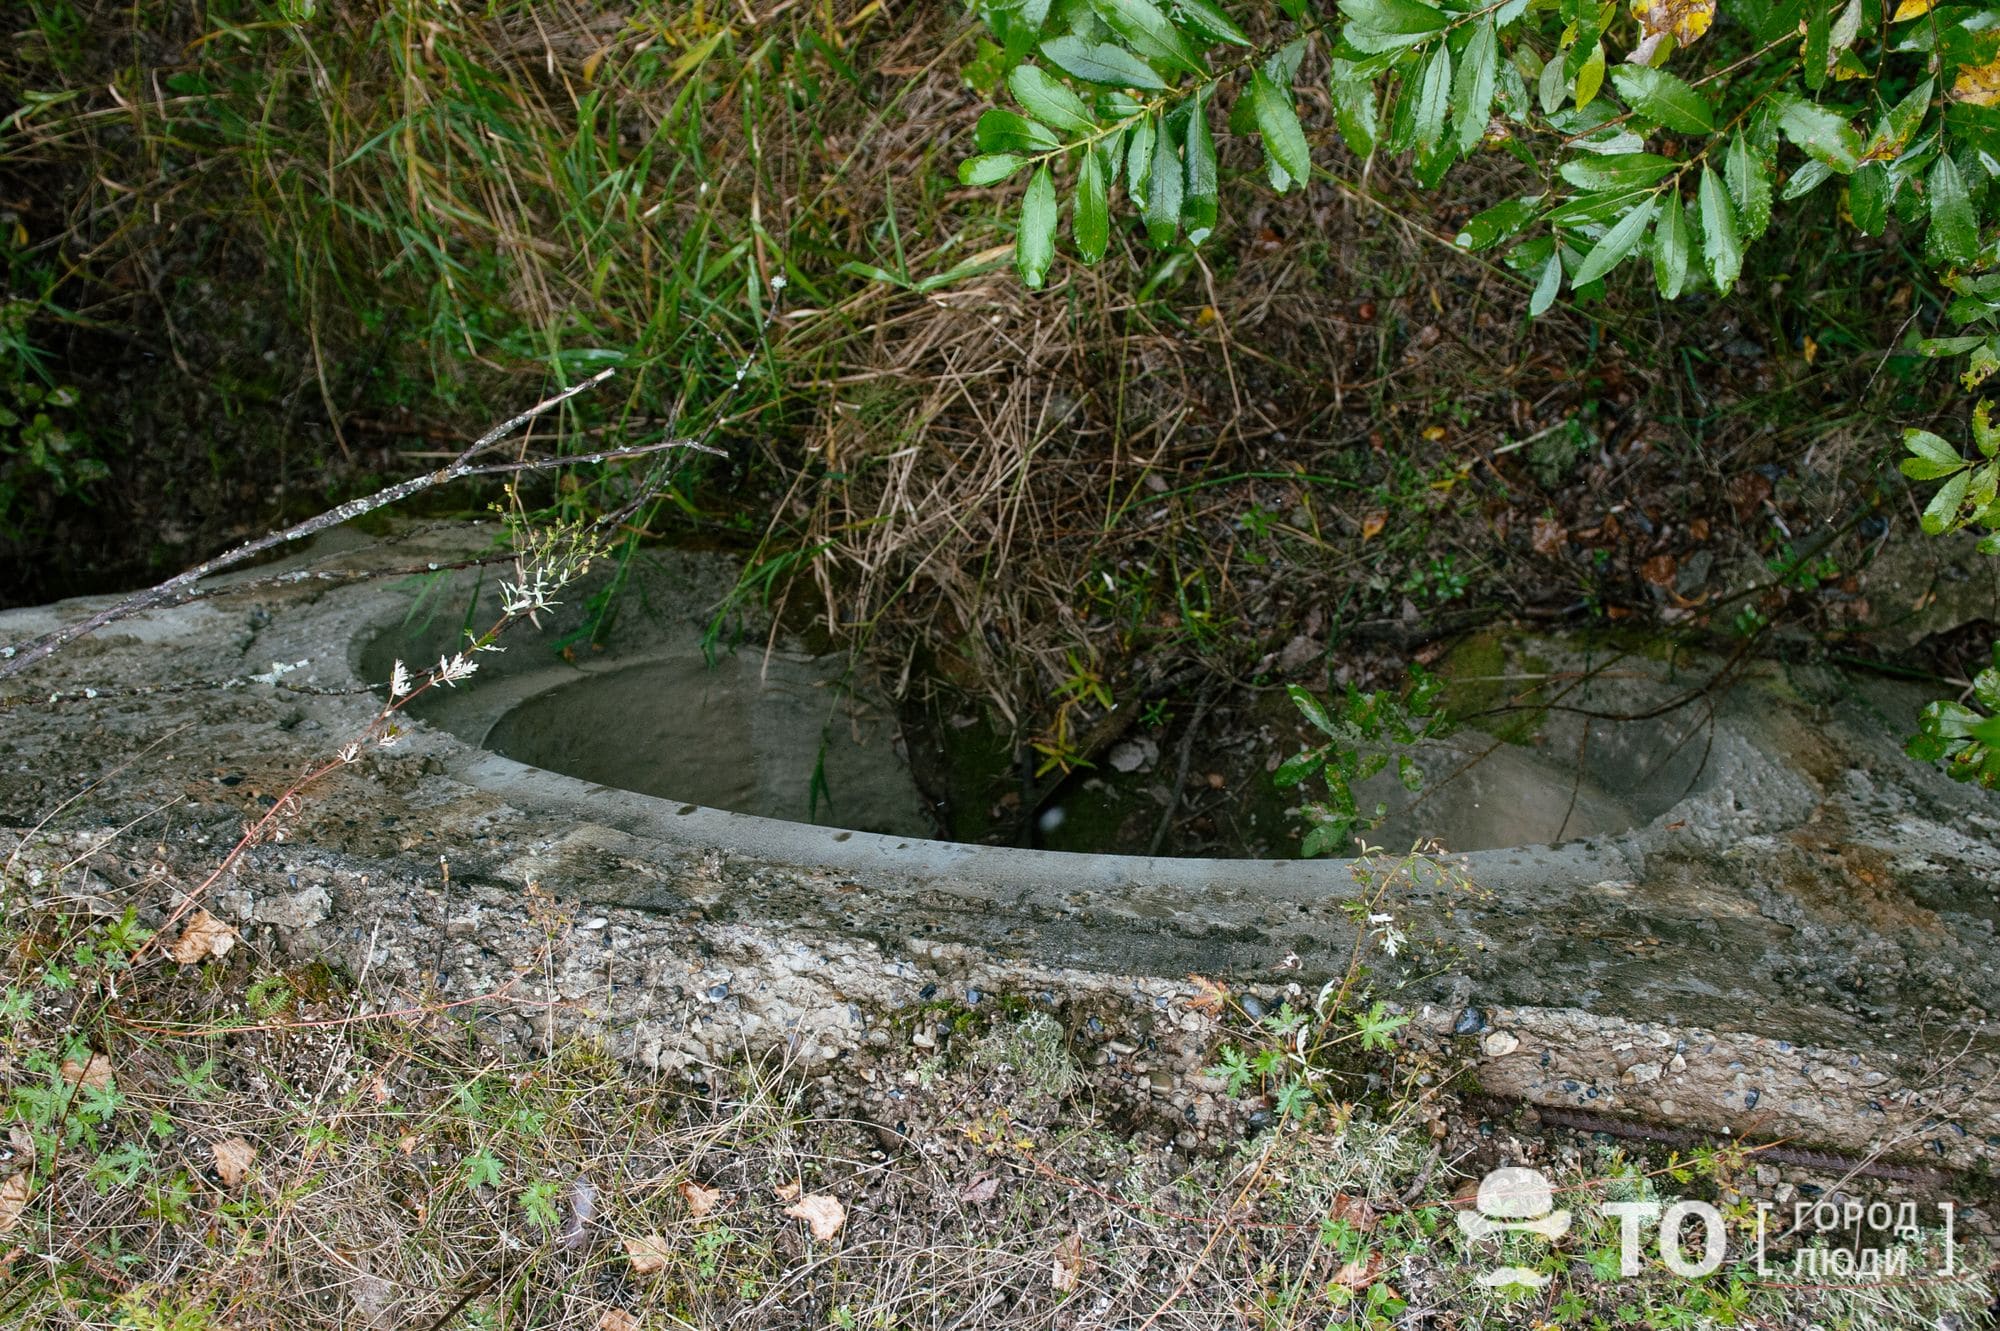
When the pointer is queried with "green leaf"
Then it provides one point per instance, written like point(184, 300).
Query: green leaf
point(1090, 224)
point(1902, 121)
point(1148, 32)
point(1930, 457)
point(1101, 62)
point(1278, 122)
point(1807, 179)
point(1298, 767)
point(1616, 245)
point(1663, 97)
point(1312, 709)
point(1815, 52)
point(1748, 176)
point(1207, 18)
point(1820, 133)
point(990, 169)
point(1001, 131)
point(1547, 287)
point(1326, 837)
point(1670, 248)
point(1954, 233)
point(1625, 171)
point(1355, 112)
point(1868, 198)
point(1551, 87)
point(1035, 243)
point(1198, 199)
point(1721, 246)
point(1484, 230)
point(1049, 99)
point(1163, 189)
point(1139, 160)
point(1433, 96)
point(1590, 77)
point(1472, 93)
point(1941, 514)
point(1386, 25)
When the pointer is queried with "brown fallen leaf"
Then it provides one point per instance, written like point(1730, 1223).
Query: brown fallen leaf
point(700, 1201)
point(233, 1158)
point(1209, 996)
point(822, 1214)
point(982, 1189)
point(1354, 1210)
point(1359, 1275)
point(1067, 1270)
point(1660, 570)
point(1549, 536)
point(14, 1196)
point(204, 937)
point(617, 1319)
point(1372, 525)
point(95, 1074)
point(648, 1255)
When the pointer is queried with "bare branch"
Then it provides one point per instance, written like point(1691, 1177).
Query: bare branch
point(15, 659)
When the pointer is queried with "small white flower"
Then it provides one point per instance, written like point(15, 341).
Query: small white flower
point(778, 282)
point(399, 681)
point(451, 669)
point(1380, 919)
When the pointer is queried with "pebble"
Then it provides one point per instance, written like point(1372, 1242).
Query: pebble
point(1499, 1044)
point(1470, 1022)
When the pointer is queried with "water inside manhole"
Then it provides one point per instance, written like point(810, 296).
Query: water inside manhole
point(785, 735)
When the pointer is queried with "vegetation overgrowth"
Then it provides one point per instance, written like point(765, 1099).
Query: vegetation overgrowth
point(1325, 424)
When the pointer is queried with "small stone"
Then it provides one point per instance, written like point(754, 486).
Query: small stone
point(1499, 1044)
point(1641, 1073)
point(1470, 1022)
point(923, 1039)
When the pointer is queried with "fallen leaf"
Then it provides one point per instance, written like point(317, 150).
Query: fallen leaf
point(1372, 525)
point(204, 937)
point(1910, 9)
point(1068, 1267)
point(1549, 536)
point(617, 1319)
point(700, 1201)
point(1209, 996)
point(1354, 1210)
point(1216, 781)
point(14, 1195)
point(1659, 570)
point(95, 1074)
point(982, 1189)
point(823, 1214)
point(786, 1191)
point(648, 1255)
point(1747, 492)
point(233, 1158)
point(1359, 1275)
